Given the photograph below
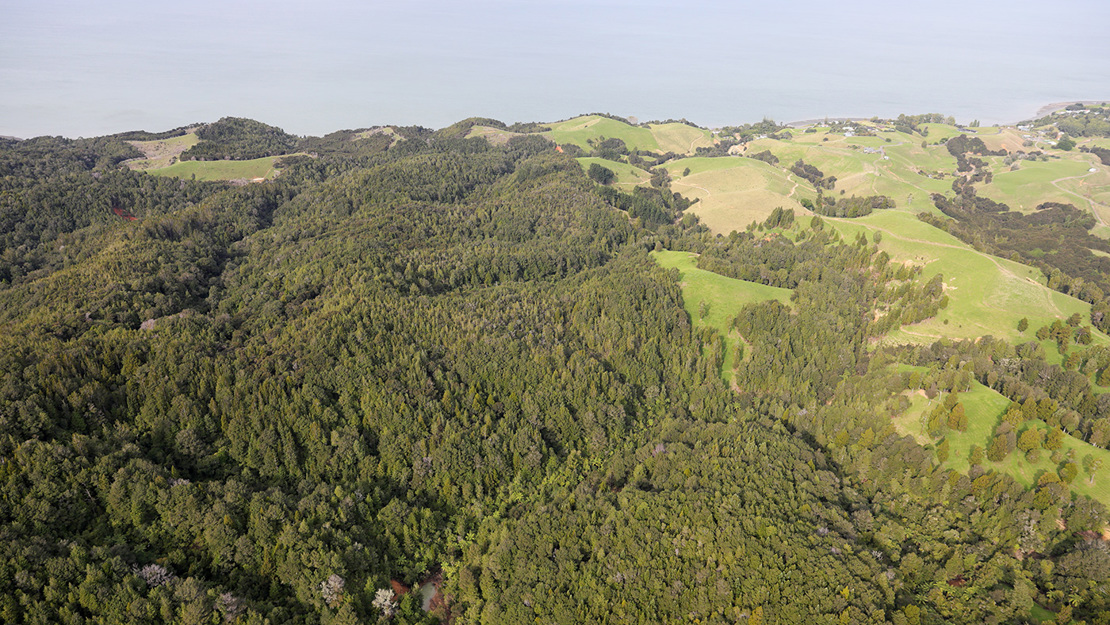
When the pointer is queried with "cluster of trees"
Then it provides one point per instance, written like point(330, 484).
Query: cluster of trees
point(746, 132)
point(738, 135)
point(765, 156)
point(814, 175)
point(850, 206)
point(42, 157)
point(683, 121)
point(439, 356)
point(611, 149)
point(808, 365)
point(1063, 333)
point(600, 174)
point(1064, 393)
point(1103, 154)
point(653, 207)
point(238, 138)
point(910, 124)
point(1094, 123)
point(961, 147)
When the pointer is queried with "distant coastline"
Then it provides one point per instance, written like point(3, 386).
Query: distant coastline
point(820, 120)
point(1048, 109)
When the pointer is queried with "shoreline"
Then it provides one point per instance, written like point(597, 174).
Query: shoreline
point(1048, 109)
point(818, 120)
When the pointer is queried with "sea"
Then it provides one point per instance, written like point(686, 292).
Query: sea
point(74, 68)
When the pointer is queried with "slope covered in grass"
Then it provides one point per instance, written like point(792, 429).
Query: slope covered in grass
point(680, 138)
point(732, 191)
point(712, 300)
point(581, 130)
point(627, 175)
point(984, 408)
point(160, 153)
point(221, 170)
point(986, 294)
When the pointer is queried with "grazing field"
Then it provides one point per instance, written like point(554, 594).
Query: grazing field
point(1027, 473)
point(732, 192)
point(221, 170)
point(986, 294)
point(984, 408)
point(627, 175)
point(723, 297)
point(900, 170)
point(938, 132)
point(161, 152)
point(496, 136)
point(581, 130)
point(1036, 182)
point(673, 137)
point(680, 138)
point(1007, 138)
point(385, 130)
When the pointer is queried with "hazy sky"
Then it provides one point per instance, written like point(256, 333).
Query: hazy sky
point(87, 68)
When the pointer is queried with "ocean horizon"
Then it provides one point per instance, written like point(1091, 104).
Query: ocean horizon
point(78, 69)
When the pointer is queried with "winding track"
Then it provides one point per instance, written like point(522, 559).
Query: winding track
point(1006, 272)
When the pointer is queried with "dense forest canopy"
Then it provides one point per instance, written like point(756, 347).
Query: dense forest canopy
point(418, 358)
point(240, 139)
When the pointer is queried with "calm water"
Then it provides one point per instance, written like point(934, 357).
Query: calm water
point(83, 69)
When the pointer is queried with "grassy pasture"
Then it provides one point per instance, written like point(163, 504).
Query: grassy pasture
point(386, 130)
point(939, 131)
point(913, 157)
point(724, 296)
point(1027, 473)
point(627, 175)
point(579, 130)
point(1035, 182)
point(734, 191)
point(495, 136)
point(680, 138)
point(987, 294)
point(860, 173)
point(160, 152)
point(1007, 138)
point(984, 408)
point(221, 170)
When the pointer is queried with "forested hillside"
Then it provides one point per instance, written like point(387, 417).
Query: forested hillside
point(424, 359)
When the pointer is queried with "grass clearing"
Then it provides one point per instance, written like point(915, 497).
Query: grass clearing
point(627, 175)
point(222, 170)
point(580, 130)
point(732, 192)
point(938, 132)
point(673, 137)
point(984, 408)
point(724, 297)
point(1027, 473)
point(161, 153)
point(1036, 182)
point(680, 138)
point(987, 295)
point(496, 136)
